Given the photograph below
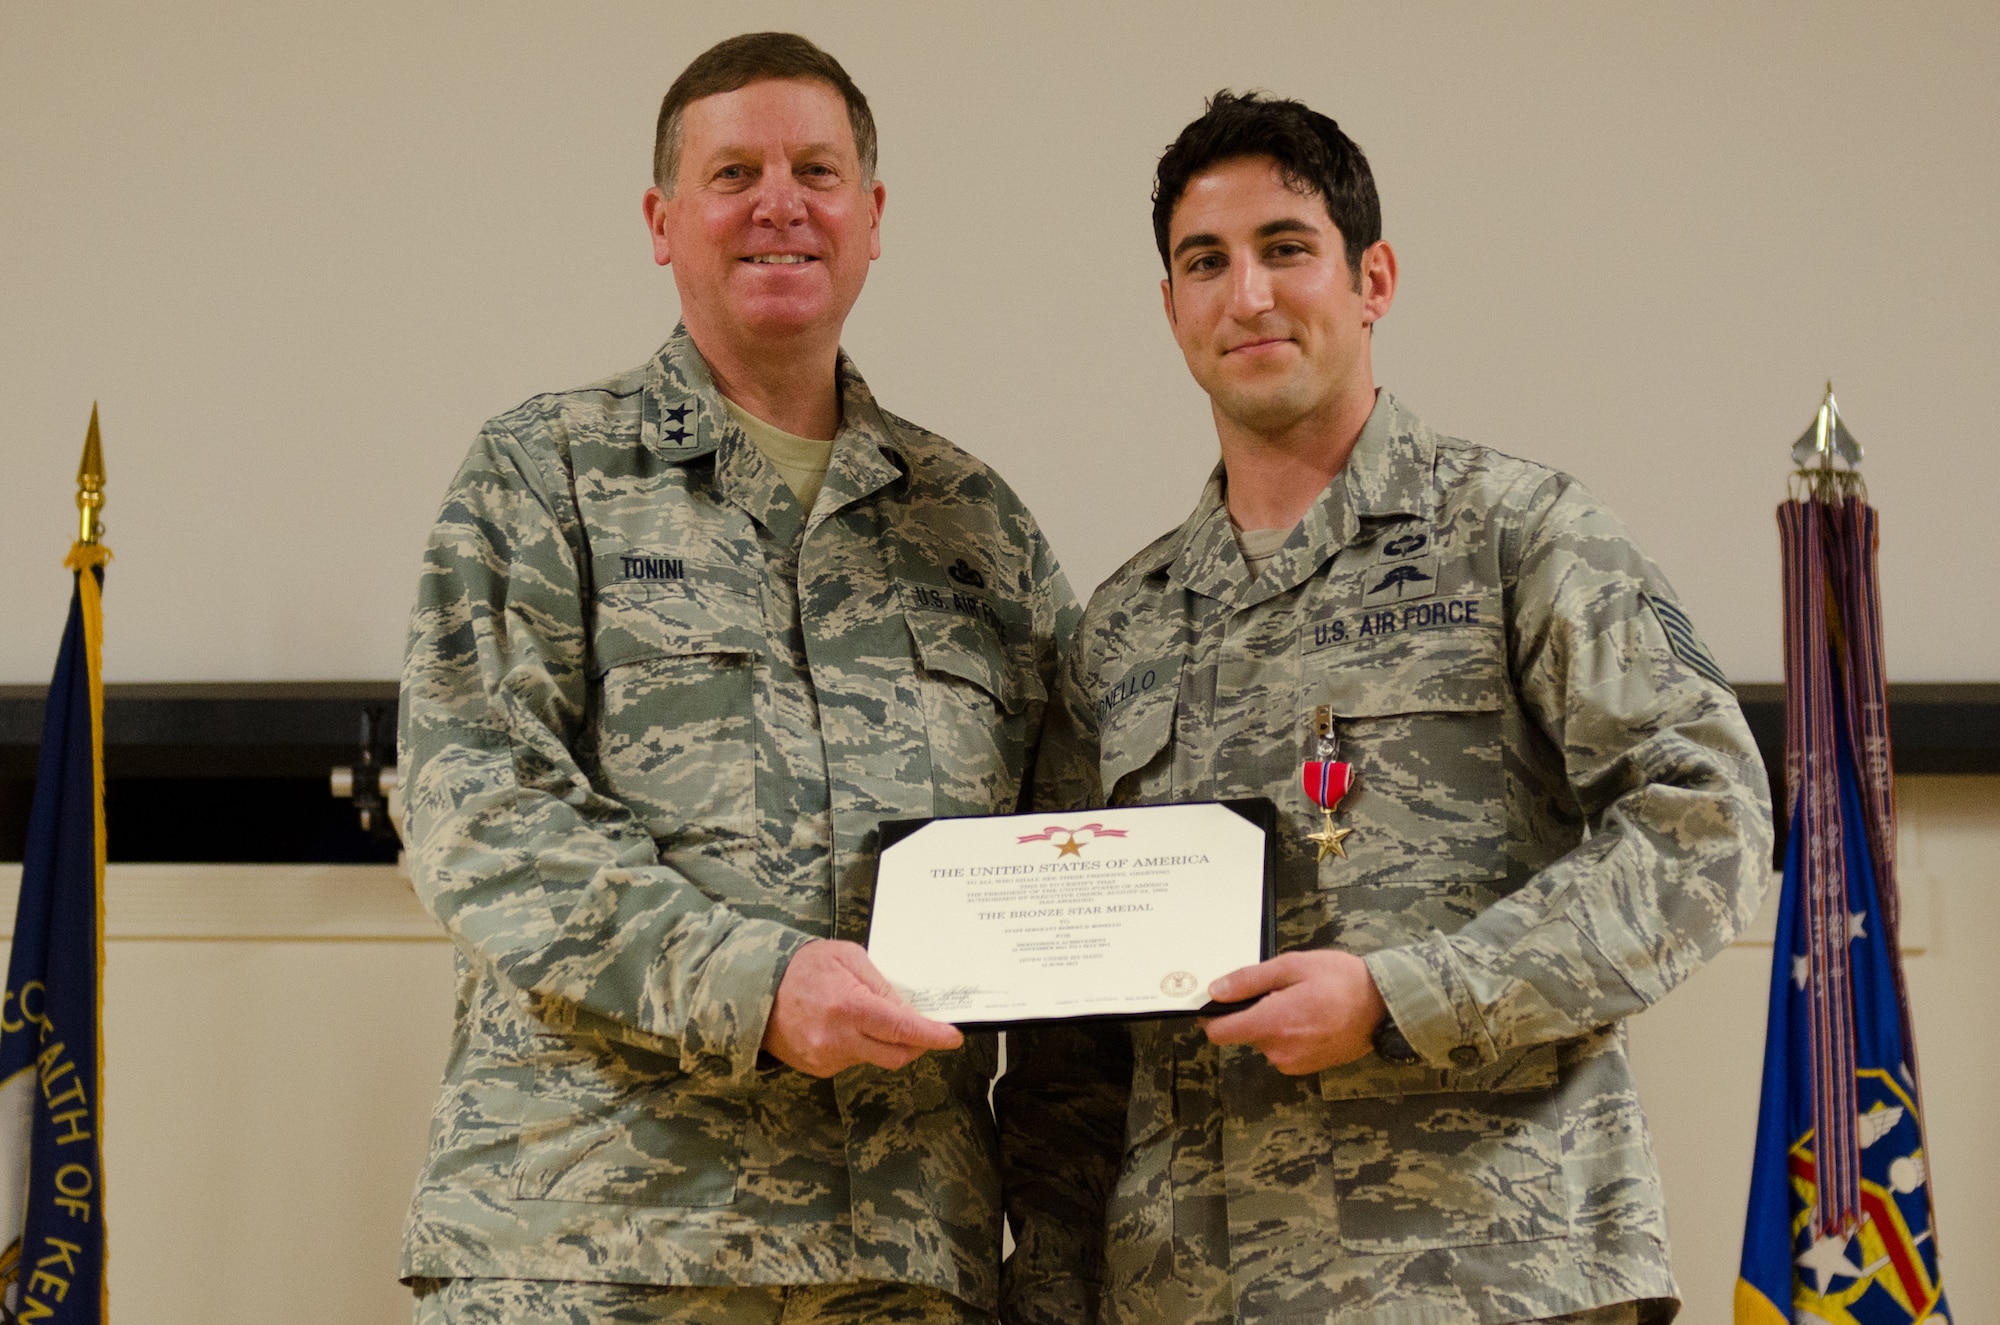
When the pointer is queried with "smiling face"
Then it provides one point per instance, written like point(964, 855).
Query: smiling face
point(1271, 320)
point(771, 226)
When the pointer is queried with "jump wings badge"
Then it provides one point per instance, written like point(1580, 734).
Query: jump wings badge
point(1326, 781)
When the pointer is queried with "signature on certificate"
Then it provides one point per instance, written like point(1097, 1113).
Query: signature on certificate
point(941, 998)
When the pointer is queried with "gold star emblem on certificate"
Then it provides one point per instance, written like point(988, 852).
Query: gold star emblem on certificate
point(1330, 838)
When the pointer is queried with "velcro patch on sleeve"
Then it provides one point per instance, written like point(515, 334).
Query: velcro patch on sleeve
point(1681, 637)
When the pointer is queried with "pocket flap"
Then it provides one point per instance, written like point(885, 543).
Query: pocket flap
point(966, 649)
point(1136, 719)
point(1133, 744)
point(1457, 671)
point(1533, 1068)
point(635, 623)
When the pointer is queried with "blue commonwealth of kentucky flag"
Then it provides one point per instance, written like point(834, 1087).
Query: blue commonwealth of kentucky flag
point(1841, 1228)
point(51, 1043)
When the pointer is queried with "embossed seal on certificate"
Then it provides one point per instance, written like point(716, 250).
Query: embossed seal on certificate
point(1177, 984)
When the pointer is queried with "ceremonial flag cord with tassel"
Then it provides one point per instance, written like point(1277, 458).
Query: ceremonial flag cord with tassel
point(1841, 1227)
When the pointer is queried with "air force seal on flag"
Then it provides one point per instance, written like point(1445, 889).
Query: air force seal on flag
point(1885, 1268)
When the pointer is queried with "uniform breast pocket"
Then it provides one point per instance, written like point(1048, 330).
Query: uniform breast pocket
point(982, 705)
point(1136, 735)
point(1420, 721)
point(677, 725)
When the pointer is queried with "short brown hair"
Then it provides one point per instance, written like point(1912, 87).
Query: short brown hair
point(751, 58)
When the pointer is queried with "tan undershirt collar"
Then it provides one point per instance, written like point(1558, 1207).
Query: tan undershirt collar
point(801, 460)
point(1258, 546)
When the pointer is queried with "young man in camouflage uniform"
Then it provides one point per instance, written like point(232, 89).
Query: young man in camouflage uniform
point(1428, 1118)
point(684, 639)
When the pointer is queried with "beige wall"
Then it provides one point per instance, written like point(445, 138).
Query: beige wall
point(301, 251)
point(274, 1039)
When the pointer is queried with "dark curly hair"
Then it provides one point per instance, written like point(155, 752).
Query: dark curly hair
point(1312, 154)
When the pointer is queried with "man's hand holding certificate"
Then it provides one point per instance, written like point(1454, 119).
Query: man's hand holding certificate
point(1118, 912)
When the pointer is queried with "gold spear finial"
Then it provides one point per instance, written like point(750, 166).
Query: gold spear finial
point(90, 485)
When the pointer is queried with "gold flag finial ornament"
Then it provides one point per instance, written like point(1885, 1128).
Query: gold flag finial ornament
point(90, 485)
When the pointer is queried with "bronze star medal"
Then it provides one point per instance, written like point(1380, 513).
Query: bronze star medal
point(1326, 780)
point(1330, 838)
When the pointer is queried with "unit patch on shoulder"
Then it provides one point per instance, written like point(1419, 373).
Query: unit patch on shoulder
point(1681, 637)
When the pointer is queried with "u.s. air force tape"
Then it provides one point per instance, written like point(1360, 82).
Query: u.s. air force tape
point(1685, 643)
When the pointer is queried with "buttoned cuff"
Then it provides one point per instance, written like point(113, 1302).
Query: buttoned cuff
point(731, 1003)
point(1431, 1004)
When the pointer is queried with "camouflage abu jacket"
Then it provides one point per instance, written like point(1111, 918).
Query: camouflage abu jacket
point(648, 730)
point(1559, 815)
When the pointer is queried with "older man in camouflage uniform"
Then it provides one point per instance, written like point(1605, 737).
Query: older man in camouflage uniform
point(1428, 1118)
point(684, 638)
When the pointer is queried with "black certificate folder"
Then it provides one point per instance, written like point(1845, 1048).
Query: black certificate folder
point(999, 920)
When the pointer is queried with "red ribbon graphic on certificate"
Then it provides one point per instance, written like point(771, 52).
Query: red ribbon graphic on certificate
point(1072, 845)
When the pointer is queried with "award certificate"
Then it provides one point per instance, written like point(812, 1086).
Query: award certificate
point(1103, 913)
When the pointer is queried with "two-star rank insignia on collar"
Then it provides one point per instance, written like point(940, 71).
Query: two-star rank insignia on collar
point(679, 432)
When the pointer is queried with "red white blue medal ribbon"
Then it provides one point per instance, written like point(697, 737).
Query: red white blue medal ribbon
point(1326, 780)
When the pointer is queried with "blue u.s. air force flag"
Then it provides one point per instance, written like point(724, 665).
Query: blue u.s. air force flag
point(51, 1068)
point(1882, 1269)
point(1841, 1227)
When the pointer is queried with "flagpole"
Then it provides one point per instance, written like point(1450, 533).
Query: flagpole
point(87, 558)
point(52, 1236)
